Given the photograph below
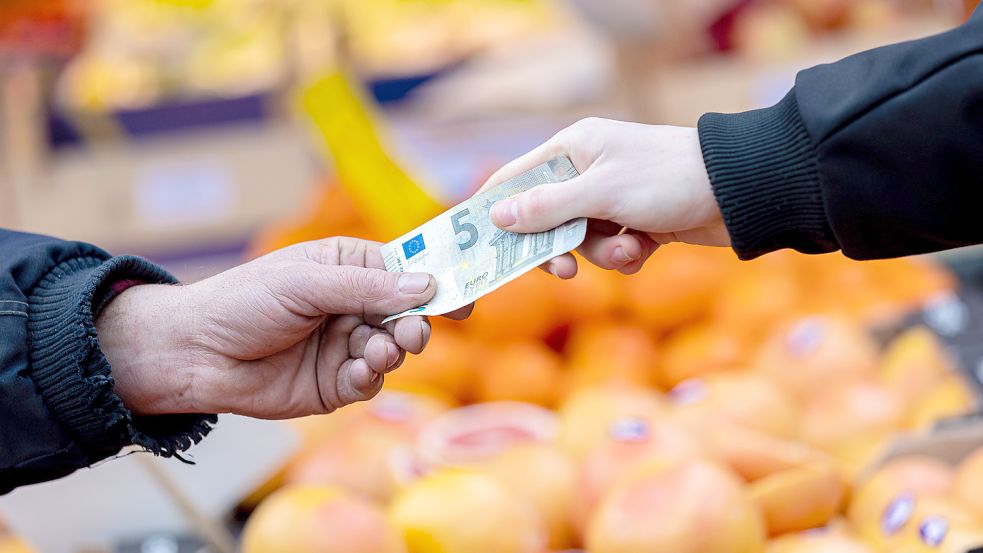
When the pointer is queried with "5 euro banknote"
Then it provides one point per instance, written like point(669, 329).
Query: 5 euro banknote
point(469, 256)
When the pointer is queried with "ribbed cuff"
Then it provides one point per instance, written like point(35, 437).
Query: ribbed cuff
point(764, 172)
point(74, 376)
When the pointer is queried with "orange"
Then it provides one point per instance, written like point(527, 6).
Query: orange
point(448, 364)
point(878, 292)
point(586, 416)
point(470, 436)
point(950, 397)
point(819, 542)
point(356, 455)
point(929, 524)
point(630, 443)
point(746, 399)
point(392, 412)
point(799, 498)
point(684, 507)
point(677, 286)
point(356, 462)
point(524, 370)
point(817, 352)
point(700, 349)
point(838, 284)
point(544, 478)
point(967, 485)
point(611, 353)
point(859, 453)
point(911, 281)
point(456, 511)
point(751, 453)
point(758, 296)
point(332, 213)
point(846, 410)
point(880, 499)
point(594, 294)
point(319, 519)
point(898, 286)
point(914, 362)
point(526, 308)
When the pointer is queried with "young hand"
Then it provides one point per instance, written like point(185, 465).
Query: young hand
point(648, 180)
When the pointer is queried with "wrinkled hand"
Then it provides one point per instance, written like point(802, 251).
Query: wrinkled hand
point(290, 334)
point(648, 180)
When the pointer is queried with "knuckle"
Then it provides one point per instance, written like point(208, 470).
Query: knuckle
point(535, 204)
point(323, 251)
point(572, 134)
point(369, 287)
point(591, 122)
point(350, 251)
point(587, 126)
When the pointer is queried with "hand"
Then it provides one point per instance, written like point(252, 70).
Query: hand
point(646, 179)
point(291, 334)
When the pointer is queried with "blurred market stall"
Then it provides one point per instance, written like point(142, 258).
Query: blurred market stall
point(792, 404)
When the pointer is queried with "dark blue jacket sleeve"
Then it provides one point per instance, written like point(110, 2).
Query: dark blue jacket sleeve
point(58, 410)
point(879, 155)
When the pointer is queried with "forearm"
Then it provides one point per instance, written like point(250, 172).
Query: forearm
point(59, 407)
point(878, 155)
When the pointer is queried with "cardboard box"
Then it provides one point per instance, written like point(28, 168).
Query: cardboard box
point(175, 192)
point(172, 178)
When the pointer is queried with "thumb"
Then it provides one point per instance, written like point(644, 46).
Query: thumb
point(347, 290)
point(550, 205)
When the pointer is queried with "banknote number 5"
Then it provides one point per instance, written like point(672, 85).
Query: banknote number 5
point(460, 228)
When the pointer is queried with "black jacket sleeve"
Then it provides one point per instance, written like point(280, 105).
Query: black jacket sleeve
point(58, 410)
point(880, 154)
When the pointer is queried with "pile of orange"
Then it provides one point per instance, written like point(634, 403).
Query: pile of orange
point(704, 405)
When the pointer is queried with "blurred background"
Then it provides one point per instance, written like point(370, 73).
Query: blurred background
point(202, 133)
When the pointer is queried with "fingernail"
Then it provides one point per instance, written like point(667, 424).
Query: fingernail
point(621, 256)
point(425, 332)
point(392, 355)
point(414, 283)
point(506, 213)
point(374, 378)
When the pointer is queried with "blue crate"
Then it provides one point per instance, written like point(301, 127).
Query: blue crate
point(188, 115)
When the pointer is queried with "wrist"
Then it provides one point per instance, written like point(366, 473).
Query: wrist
point(698, 178)
point(143, 332)
point(765, 173)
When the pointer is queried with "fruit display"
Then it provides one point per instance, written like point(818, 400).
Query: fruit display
point(545, 427)
point(616, 416)
point(319, 519)
point(779, 30)
point(138, 53)
point(142, 52)
point(765, 31)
